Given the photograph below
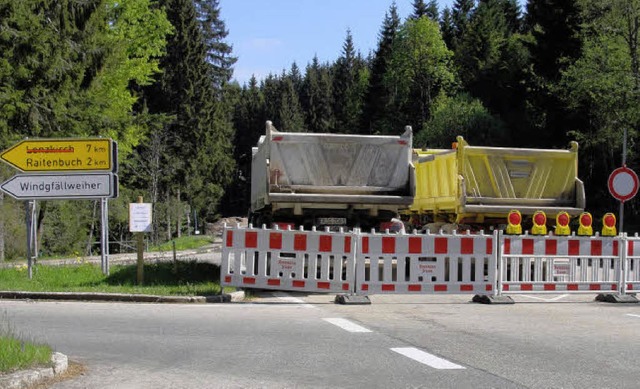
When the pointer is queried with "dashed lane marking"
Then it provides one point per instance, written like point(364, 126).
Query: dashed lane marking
point(631, 314)
point(346, 325)
point(426, 358)
point(546, 299)
point(290, 299)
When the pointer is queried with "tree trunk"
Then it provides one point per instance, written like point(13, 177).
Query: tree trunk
point(93, 225)
point(40, 226)
point(179, 217)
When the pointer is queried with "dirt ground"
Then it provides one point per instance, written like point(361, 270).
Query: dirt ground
point(216, 228)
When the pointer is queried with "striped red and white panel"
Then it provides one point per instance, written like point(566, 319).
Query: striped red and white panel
point(289, 240)
point(568, 287)
point(309, 261)
point(439, 263)
point(632, 276)
point(378, 244)
point(564, 246)
point(425, 288)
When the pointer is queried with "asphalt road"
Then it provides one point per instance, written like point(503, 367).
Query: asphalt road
point(281, 341)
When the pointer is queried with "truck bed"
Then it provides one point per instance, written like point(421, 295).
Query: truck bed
point(471, 183)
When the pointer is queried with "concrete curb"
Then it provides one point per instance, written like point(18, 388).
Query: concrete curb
point(122, 297)
point(28, 378)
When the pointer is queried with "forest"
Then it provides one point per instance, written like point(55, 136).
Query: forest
point(157, 78)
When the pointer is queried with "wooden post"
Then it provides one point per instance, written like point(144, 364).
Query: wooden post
point(140, 262)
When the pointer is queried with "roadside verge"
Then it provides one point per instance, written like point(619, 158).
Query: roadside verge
point(28, 378)
point(122, 297)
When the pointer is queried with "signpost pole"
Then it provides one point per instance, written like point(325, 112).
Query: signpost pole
point(624, 163)
point(34, 231)
point(104, 236)
point(29, 236)
point(140, 239)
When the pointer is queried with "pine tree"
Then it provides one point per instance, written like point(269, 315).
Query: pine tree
point(419, 9)
point(296, 77)
point(376, 117)
point(461, 15)
point(347, 97)
point(556, 34)
point(201, 133)
point(556, 44)
point(291, 118)
point(316, 97)
point(446, 26)
point(493, 63)
point(219, 53)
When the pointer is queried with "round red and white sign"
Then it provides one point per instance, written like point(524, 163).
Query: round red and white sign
point(623, 183)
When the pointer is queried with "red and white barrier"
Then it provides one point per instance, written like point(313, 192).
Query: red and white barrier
point(568, 264)
point(383, 263)
point(632, 265)
point(309, 261)
point(425, 264)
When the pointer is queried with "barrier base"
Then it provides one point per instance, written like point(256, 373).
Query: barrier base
point(616, 298)
point(352, 299)
point(484, 299)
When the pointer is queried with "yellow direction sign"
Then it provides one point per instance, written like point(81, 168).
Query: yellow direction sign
point(73, 154)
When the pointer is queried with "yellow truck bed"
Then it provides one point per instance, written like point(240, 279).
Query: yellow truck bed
point(471, 184)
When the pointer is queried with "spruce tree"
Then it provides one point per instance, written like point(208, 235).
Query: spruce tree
point(316, 97)
point(219, 52)
point(556, 44)
point(347, 96)
point(461, 12)
point(291, 118)
point(492, 64)
point(419, 9)
point(446, 26)
point(376, 117)
point(201, 133)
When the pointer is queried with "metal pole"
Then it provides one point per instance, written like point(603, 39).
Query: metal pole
point(104, 236)
point(140, 262)
point(29, 236)
point(34, 231)
point(624, 163)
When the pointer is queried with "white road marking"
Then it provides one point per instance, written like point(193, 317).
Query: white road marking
point(631, 314)
point(426, 358)
point(546, 299)
point(346, 325)
point(290, 299)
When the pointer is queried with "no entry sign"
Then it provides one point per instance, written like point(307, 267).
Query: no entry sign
point(623, 183)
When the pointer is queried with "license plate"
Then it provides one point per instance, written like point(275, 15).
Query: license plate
point(332, 221)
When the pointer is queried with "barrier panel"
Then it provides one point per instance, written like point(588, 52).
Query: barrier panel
point(568, 264)
point(425, 264)
point(297, 260)
point(632, 265)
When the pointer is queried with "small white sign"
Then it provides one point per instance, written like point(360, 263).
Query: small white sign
point(140, 217)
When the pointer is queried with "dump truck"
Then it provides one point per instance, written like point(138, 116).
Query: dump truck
point(474, 187)
point(330, 180)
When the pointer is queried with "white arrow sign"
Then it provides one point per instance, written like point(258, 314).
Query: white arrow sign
point(61, 186)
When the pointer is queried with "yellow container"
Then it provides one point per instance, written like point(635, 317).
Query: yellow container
point(471, 184)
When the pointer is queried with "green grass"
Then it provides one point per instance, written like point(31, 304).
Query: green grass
point(184, 278)
point(18, 353)
point(184, 243)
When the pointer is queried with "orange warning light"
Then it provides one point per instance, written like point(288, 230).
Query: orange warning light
point(609, 224)
point(514, 219)
point(562, 223)
point(539, 223)
point(586, 221)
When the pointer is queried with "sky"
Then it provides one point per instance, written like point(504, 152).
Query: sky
point(269, 35)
